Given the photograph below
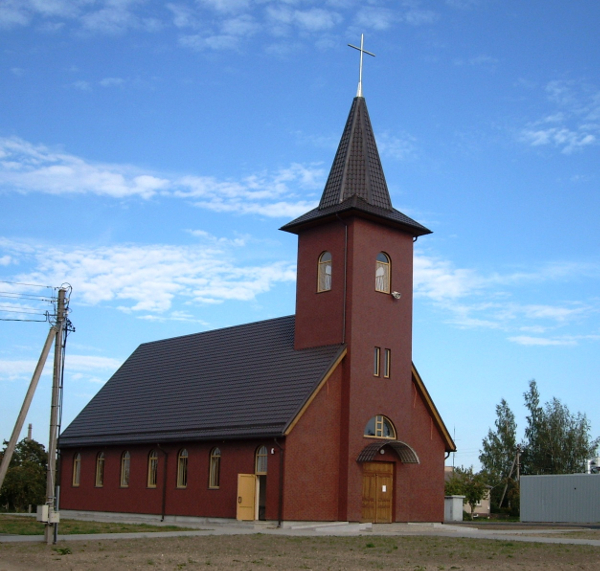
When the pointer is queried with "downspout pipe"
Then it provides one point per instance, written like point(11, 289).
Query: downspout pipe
point(164, 490)
point(280, 506)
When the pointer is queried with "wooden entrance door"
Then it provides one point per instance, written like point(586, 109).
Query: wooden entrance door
point(377, 492)
point(246, 498)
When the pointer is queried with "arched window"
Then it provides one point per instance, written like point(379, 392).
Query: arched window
point(182, 468)
point(260, 463)
point(76, 469)
point(324, 279)
point(100, 470)
point(152, 469)
point(125, 465)
point(383, 267)
point(215, 468)
point(380, 427)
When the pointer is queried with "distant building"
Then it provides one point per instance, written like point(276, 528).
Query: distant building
point(320, 416)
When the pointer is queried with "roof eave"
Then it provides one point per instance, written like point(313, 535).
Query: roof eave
point(295, 226)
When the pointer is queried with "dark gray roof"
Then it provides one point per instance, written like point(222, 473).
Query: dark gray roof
point(238, 382)
point(356, 183)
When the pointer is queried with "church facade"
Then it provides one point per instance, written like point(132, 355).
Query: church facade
point(319, 416)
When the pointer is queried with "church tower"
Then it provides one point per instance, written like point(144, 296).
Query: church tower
point(354, 287)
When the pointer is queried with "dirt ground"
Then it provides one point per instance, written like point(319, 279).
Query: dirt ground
point(261, 552)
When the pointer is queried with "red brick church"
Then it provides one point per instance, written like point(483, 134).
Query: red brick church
point(319, 416)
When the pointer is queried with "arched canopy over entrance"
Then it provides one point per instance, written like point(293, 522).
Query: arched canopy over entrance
point(406, 454)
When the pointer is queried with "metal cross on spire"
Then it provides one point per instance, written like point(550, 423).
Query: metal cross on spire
point(362, 51)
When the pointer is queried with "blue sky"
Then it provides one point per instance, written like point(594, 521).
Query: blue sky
point(149, 152)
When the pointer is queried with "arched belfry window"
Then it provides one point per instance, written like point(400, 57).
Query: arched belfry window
point(383, 267)
point(324, 273)
point(380, 427)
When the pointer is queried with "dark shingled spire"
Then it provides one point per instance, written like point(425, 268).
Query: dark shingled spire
point(356, 169)
point(356, 181)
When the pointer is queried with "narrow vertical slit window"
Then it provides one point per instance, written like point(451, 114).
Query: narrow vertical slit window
point(76, 469)
point(376, 359)
point(125, 467)
point(100, 470)
point(182, 468)
point(383, 273)
point(152, 469)
point(324, 272)
point(387, 363)
point(215, 468)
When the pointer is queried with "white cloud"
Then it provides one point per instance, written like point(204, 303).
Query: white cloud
point(149, 278)
point(574, 121)
point(399, 147)
point(26, 167)
point(472, 300)
point(112, 81)
point(541, 341)
point(82, 85)
point(376, 18)
point(37, 168)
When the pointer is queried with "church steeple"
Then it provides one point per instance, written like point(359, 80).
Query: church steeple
point(356, 184)
point(356, 169)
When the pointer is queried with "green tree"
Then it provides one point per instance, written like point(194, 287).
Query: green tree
point(556, 441)
point(465, 482)
point(25, 481)
point(498, 453)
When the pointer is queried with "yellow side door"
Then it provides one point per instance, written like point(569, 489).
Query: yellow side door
point(246, 500)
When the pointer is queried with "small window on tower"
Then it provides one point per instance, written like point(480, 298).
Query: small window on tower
point(376, 357)
point(324, 272)
point(382, 273)
point(387, 363)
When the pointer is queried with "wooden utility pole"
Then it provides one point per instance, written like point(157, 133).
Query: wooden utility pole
point(54, 415)
point(26, 403)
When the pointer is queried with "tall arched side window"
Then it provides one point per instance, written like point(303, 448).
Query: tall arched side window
point(182, 468)
point(125, 467)
point(383, 267)
point(214, 475)
point(324, 272)
point(100, 470)
point(76, 469)
point(260, 463)
point(380, 427)
point(152, 469)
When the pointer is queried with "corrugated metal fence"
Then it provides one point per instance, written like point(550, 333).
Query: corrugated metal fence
point(571, 498)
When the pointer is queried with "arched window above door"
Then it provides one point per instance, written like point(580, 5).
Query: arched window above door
point(324, 272)
point(380, 427)
point(383, 272)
